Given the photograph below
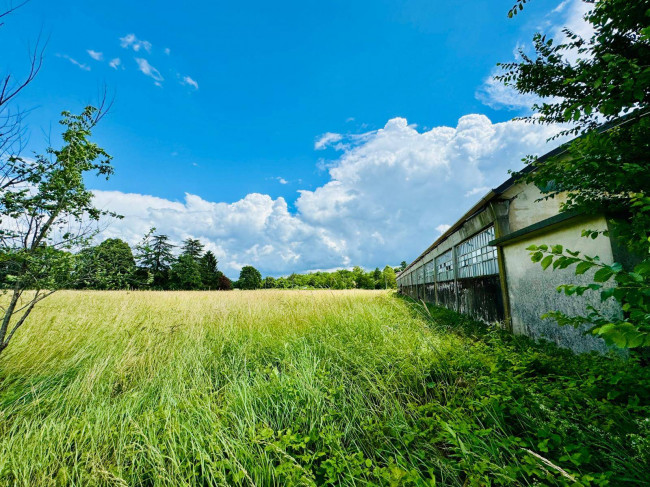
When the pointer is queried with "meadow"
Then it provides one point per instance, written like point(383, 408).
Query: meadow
point(306, 388)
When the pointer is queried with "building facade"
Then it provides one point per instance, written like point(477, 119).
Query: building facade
point(480, 265)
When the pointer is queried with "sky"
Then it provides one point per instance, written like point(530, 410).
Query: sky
point(292, 136)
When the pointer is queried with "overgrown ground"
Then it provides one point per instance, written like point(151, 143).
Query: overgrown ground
point(306, 387)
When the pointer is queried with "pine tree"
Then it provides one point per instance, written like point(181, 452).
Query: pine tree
point(192, 247)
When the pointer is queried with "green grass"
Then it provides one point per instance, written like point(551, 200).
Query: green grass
point(302, 388)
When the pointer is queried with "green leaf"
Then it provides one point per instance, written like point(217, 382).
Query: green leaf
point(546, 261)
point(603, 274)
point(583, 267)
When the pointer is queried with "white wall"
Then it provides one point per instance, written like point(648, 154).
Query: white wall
point(532, 291)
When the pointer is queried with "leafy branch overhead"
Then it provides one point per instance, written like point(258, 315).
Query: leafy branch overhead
point(599, 87)
point(46, 211)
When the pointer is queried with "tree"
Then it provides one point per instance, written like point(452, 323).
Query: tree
point(249, 278)
point(185, 273)
point(48, 215)
point(583, 82)
point(110, 265)
point(363, 279)
point(268, 283)
point(193, 248)
point(389, 278)
point(11, 129)
point(225, 284)
point(154, 254)
point(209, 271)
point(377, 276)
point(403, 265)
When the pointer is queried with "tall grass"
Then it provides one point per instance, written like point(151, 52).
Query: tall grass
point(263, 388)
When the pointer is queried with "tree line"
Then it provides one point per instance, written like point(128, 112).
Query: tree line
point(152, 264)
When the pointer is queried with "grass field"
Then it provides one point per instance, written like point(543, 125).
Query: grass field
point(304, 388)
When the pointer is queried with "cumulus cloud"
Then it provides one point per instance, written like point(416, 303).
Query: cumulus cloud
point(189, 82)
point(281, 180)
point(390, 193)
point(148, 70)
point(442, 228)
point(131, 41)
point(97, 56)
point(115, 63)
point(326, 140)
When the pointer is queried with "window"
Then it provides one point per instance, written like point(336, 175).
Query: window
point(429, 272)
point(476, 257)
point(445, 266)
point(420, 273)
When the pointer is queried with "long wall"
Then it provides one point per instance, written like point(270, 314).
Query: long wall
point(481, 267)
point(461, 272)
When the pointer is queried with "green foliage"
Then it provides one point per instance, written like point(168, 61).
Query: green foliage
point(192, 247)
point(210, 273)
point(629, 329)
point(186, 273)
point(249, 278)
point(584, 82)
point(154, 255)
point(357, 278)
point(109, 265)
point(318, 388)
point(45, 208)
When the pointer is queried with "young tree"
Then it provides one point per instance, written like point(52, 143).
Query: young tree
point(249, 278)
point(583, 82)
point(388, 277)
point(48, 214)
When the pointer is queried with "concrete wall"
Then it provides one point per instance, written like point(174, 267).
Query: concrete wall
point(525, 209)
point(532, 291)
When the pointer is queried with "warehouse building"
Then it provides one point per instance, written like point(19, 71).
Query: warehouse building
point(480, 265)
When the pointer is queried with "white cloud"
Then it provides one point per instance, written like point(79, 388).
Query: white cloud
point(167, 51)
point(131, 41)
point(148, 70)
point(282, 180)
point(97, 56)
point(481, 190)
point(190, 82)
point(561, 6)
point(389, 195)
point(442, 228)
point(82, 66)
point(326, 140)
point(495, 94)
point(115, 63)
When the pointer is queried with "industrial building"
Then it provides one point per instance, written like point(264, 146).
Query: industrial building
point(480, 265)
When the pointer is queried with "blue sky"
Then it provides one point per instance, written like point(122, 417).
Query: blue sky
point(224, 100)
